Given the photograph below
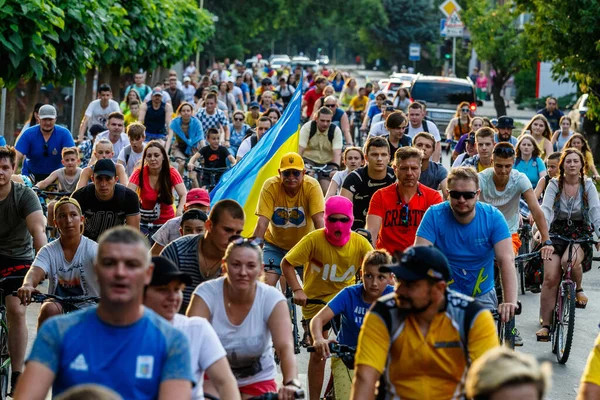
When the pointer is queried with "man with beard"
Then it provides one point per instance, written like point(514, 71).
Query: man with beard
point(472, 234)
point(505, 127)
point(423, 337)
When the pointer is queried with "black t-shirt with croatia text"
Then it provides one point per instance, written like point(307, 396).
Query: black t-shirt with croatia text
point(101, 215)
point(363, 187)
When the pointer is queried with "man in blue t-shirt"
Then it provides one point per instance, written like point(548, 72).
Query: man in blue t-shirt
point(472, 234)
point(351, 304)
point(119, 344)
point(42, 144)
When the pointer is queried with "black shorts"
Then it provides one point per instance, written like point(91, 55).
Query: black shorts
point(15, 270)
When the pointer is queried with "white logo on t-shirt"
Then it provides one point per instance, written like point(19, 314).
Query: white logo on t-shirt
point(330, 272)
point(79, 363)
point(144, 366)
point(375, 184)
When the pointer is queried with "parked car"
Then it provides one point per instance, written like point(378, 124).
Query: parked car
point(279, 63)
point(279, 57)
point(255, 61)
point(441, 96)
point(578, 112)
point(394, 83)
point(323, 60)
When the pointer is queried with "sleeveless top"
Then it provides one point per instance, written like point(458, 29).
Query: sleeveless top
point(155, 119)
point(337, 117)
point(66, 184)
point(461, 129)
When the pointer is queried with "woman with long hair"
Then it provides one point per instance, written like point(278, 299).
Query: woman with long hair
point(238, 131)
point(189, 135)
point(461, 123)
point(540, 129)
point(528, 159)
point(475, 125)
point(154, 182)
point(572, 209)
point(402, 99)
point(131, 96)
point(249, 80)
point(349, 92)
point(226, 97)
point(273, 114)
point(578, 142)
point(561, 136)
point(337, 81)
point(103, 149)
point(250, 317)
point(34, 118)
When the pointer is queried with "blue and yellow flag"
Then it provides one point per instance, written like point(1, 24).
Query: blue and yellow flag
point(244, 181)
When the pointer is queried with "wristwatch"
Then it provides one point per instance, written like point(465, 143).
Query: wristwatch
point(293, 382)
point(548, 243)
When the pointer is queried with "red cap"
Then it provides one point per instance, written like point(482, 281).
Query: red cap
point(197, 196)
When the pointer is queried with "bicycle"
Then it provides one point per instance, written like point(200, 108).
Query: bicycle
point(522, 263)
point(68, 303)
point(214, 175)
point(265, 396)
point(5, 364)
point(187, 181)
point(43, 197)
point(507, 330)
point(562, 324)
point(149, 229)
point(525, 236)
point(322, 172)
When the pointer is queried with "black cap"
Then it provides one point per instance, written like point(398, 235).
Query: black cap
point(253, 104)
point(266, 81)
point(165, 271)
point(471, 138)
point(420, 262)
point(505, 122)
point(105, 167)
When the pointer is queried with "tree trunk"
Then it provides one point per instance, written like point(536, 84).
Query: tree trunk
point(499, 105)
point(10, 118)
point(89, 87)
point(79, 103)
point(115, 81)
point(32, 94)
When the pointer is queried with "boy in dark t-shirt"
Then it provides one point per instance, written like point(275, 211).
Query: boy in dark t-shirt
point(213, 156)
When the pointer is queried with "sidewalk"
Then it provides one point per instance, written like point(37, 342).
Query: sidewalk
point(522, 116)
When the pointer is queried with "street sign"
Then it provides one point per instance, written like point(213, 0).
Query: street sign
point(443, 30)
point(414, 52)
point(454, 26)
point(449, 6)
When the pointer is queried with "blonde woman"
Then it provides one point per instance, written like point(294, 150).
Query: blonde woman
point(539, 128)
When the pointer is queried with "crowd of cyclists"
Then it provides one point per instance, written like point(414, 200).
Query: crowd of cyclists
point(363, 228)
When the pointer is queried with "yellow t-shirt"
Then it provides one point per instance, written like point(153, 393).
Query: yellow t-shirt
point(250, 119)
point(359, 103)
point(430, 367)
point(327, 268)
point(591, 374)
point(129, 119)
point(291, 217)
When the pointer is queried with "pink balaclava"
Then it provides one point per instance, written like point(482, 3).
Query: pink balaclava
point(338, 233)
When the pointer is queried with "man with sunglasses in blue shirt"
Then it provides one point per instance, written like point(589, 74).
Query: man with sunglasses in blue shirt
point(291, 205)
point(472, 234)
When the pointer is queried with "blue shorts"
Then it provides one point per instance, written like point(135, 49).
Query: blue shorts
point(272, 256)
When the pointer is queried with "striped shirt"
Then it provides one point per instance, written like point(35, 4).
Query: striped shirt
point(184, 252)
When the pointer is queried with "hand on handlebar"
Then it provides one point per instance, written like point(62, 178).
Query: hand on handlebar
point(287, 392)
point(300, 298)
point(24, 294)
point(507, 311)
point(597, 246)
point(546, 252)
point(322, 347)
point(191, 167)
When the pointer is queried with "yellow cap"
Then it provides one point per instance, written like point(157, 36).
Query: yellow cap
point(291, 161)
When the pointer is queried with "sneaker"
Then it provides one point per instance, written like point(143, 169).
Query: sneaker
point(518, 338)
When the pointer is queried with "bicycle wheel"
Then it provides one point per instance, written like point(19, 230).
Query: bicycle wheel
point(565, 324)
point(5, 367)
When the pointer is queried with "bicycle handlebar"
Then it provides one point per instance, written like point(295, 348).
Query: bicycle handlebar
point(575, 241)
point(336, 348)
point(527, 257)
point(299, 394)
point(47, 193)
point(316, 301)
point(206, 169)
point(517, 311)
point(41, 297)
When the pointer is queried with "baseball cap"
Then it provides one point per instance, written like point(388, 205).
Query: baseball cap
point(157, 91)
point(165, 271)
point(197, 196)
point(291, 161)
point(47, 111)
point(105, 167)
point(266, 81)
point(471, 138)
point(187, 79)
point(420, 262)
point(253, 104)
point(505, 122)
point(213, 88)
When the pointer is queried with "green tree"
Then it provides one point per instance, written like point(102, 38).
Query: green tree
point(498, 40)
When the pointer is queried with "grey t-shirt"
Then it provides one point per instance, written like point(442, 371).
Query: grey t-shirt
point(168, 232)
point(98, 115)
point(15, 240)
point(74, 278)
point(434, 175)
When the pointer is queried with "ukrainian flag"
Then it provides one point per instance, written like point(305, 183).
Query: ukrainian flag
point(244, 181)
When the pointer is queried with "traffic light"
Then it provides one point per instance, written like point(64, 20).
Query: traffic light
point(447, 56)
point(447, 49)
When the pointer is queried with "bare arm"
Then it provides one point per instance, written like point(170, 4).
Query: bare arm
point(197, 308)
point(319, 220)
point(222, 378)
point(332, 189)
point(36, 225)
point(316, 330)
point(437, 153)
point(84, 178)
point(506, 262)
point(231, 160)
point(142, 114)
point(337, 157)
point(122, 174)
point(132, 186)
point(364, 382)
point(261, 227)
point(181, 192)
point(548, 147)
point(281, 331)
point(588, 391)
point(373, 226)
point(156, 249)
point(444, 188)
point(19, 157)
point(32, 279)
point(419, 241)
point(175, 389)
point(555, 137)
point(345, 126)
point(83, 128)
point(539, 189)
point(450, 128)
point(35, 382)
point(133, 221)
point(48, 181)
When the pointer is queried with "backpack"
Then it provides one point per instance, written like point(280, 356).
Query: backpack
point(253, 141)
point(127, 152)
point(330, 131)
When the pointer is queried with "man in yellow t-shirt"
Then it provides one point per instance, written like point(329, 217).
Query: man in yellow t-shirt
point(423, 337)
point(331, 258)
point(590, 381)
point(359, 103)
point(290, 206)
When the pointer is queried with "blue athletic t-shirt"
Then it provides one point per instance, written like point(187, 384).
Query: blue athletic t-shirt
point(132, 360)
point(350, 305)
point(531, 168)
point(32, 144)
point(469, 247)
point(2, 141)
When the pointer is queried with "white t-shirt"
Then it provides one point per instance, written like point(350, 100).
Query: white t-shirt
point(378, 129)
point(117, 147)
point(249, 346)
point(205, 347)
point(188, 93)
point(244, 148)
point(75, 278)
point(460, 159)
point(98, 115)
point(134, 159)
point(507, 201)
point(433, 129)
point(339, 177)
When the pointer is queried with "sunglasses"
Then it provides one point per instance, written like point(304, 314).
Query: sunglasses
point(330, 105)
point(343, 220)
point(464, 110)
point(45, 149)
point(289, 172)
point(466, 195)
point(238, 119)
point(504, 151)
point(253, 241)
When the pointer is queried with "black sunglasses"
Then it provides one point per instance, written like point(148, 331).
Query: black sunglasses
point(45, 149)
point(239, 240)
point(466, 195)
point(464, 110)
point(330, 105)
point(238, 119)
point(289, 172)
point(504, 151)
point(343, 220)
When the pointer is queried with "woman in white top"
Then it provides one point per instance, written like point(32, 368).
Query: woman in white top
point(354, 158)
point(246, 314)
point(561, 136)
